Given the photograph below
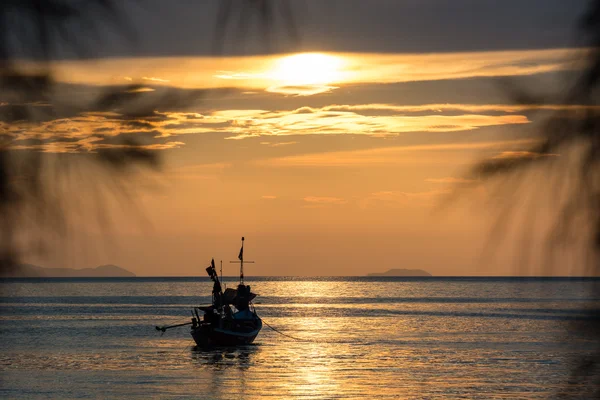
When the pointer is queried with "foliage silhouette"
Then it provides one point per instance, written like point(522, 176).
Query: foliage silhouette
point(566, 154)
point(39, 188)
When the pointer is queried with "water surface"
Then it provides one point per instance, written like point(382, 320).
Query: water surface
point(346, 337)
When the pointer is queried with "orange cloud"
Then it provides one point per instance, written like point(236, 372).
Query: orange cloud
point(324, 201)
point(470, 108)
point(303, 90)
point(308, 121)
point(451, 180)
point(522, 154)
point(401, 199)
point(153, 79)
point(278, 144)
point(87, 131)
point(201, 171)
point(383, 156)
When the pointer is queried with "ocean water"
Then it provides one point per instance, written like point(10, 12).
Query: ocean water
point(346, 338)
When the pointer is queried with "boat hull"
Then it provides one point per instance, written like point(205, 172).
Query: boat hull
point(208, 335)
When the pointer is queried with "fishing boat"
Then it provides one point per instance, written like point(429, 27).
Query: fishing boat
point(230, 319)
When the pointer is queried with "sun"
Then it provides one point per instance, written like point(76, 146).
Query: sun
point(307, 69)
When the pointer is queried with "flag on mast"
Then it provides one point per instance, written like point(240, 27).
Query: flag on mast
point(241, 255)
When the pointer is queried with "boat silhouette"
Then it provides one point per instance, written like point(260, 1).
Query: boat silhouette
point(231, 319)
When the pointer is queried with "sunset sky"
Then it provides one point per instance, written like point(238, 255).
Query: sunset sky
point(333, 155)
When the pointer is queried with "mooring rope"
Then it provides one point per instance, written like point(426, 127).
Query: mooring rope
point(177, 321)
point(290, 336)
point(187, 346)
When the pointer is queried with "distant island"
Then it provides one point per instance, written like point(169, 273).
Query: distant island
point(401, 272)
point(33, 271)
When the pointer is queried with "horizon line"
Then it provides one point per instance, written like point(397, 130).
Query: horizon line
point(313, 276)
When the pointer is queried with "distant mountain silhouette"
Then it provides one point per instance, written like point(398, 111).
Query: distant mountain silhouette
point(401, 272)
point(33, 271)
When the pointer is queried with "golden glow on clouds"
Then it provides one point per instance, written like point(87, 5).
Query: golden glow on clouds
point(92, 131)
point(310, 73)
point(470, 108)
point(321, 122)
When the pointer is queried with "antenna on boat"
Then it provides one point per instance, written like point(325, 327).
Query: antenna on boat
point(221, 272)
point(241, 258)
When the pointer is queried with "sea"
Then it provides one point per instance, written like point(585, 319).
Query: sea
point(323, 338)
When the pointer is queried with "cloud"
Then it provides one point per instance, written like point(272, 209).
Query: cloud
point(300, 90)
point(211, 171)
point(140, 90)
point(371, 119)
point(76, 147)
point(256, 72)
point(468, 108)
point(376, 120)
point(237, 75)
point(402, 199)
point(278, 144)
point(88, 132)
point(362, 119)
point(386, 155)
point(153, 79)
point(522, 154)
point(268, 197)
point(329, 120)
point(451, 180)
point(321, 202)
point(325, 121)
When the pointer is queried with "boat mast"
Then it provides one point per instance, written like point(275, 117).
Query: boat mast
point(241, 258)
